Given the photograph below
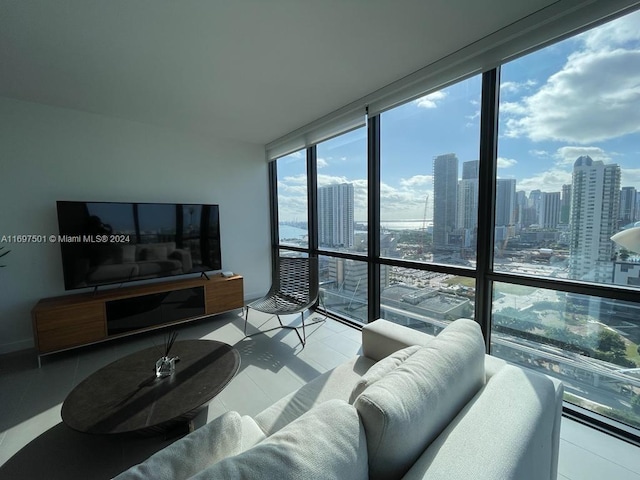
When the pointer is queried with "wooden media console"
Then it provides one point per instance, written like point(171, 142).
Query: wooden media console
point(70, 321)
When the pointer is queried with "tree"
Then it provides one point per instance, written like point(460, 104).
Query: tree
point(610, 341)
point(610, 347)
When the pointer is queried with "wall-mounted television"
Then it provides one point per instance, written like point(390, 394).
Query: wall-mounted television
point(114, 242)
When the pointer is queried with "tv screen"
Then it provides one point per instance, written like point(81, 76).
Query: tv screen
point(108, 242)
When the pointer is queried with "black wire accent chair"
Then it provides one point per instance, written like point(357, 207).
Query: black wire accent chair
point(294, 289)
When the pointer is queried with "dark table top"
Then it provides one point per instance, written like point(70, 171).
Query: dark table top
point(125, 396)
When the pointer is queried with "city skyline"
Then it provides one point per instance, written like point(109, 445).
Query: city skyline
point(576, 97)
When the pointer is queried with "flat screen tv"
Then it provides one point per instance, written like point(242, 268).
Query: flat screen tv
point(114, 242)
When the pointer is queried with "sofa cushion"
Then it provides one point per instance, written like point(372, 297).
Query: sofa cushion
point(406, 409)
point(380, 369)
point(327, 442)
point(212, 442)
point(334, 384)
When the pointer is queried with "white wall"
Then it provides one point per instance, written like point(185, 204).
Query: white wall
point(49, 154)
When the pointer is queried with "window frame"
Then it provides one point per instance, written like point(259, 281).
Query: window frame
point(484, 274)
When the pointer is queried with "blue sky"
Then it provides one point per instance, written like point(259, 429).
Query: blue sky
point(577, 97)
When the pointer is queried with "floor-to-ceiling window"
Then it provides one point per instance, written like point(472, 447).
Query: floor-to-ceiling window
point(568, 170)
point(292, 200)
point(517, 236)
point(429, 157)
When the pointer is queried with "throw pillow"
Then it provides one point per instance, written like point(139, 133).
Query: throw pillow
point(326, 442)
point(212, 442)
point(406, 410)
point(380, 369)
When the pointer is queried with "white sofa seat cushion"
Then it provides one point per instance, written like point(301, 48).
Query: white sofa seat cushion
point(327, 442)
point(380, 369)
point(404, 411)
point(218, 439)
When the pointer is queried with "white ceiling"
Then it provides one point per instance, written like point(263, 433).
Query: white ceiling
point(251, 70)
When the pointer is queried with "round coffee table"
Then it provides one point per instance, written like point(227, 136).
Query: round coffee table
point(125, 396)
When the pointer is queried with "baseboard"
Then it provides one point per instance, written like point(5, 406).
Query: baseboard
point(26, 344)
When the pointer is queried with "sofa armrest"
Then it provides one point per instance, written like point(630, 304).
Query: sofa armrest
point(227, 435)
point(381, 338)
point(509, 430)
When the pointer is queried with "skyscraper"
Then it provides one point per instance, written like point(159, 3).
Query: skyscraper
point(470, 170)
point(549, 209)
point(521, 204)
point(505, 202)
point(627, 205)
point(595, 207)
point(445, 185)
point(467, 216)
point(565, 204)
point(335, 216)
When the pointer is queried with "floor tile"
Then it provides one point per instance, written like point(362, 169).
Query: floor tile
point(601, 445)
point(577, 463)
point(272, 365)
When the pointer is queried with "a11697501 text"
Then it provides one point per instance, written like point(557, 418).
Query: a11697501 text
point(30, 238)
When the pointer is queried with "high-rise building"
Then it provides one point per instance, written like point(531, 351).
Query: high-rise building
point(335, 216)
point(628, 205)
point(595, 207)
point(521, 205)
point(549, 209)
point(505, 202)
point(565, 204)
point(534, 201)
point(467, 204)
point(467, 216)
point(445, 186)
point(470, 170)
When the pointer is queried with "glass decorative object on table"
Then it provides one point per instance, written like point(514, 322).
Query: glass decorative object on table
point(166, 365)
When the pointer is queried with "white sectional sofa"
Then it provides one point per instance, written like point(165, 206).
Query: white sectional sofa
point(412, 406)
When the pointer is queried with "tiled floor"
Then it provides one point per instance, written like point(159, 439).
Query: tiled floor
point(35, 444)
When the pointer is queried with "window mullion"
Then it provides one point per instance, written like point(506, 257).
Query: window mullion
point(486, 199)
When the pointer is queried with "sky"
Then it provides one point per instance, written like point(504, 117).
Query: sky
point(577, 97)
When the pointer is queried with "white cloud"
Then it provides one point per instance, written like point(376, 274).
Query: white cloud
point(568, 155)
point(594, 97)
point(321, 163)
point(630, 177)
point(324, 180)
point(548, 181)
point(506, 162)
point(293, 179)
point(403, 203)
point(539, 153)
point(416, 181)
point(431, 100)
point(475, 115)
point(512, 108)
point(514, 87)
point(613, 34)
